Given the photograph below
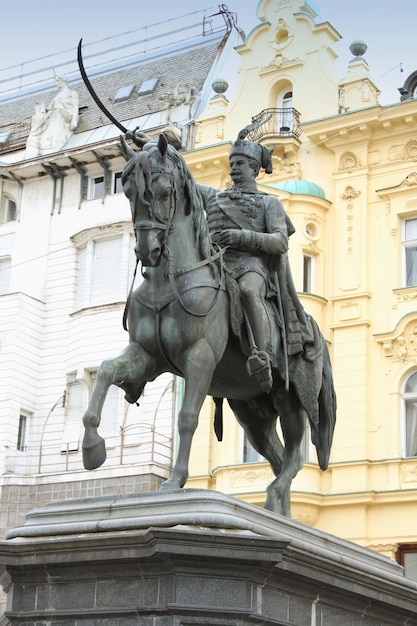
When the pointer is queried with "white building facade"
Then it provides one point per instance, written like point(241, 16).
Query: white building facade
point(66, 266)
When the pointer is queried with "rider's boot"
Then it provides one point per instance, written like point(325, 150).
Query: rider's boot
point(259, 365)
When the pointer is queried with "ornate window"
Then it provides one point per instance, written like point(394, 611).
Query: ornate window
point(409, 252)
point(410, 415)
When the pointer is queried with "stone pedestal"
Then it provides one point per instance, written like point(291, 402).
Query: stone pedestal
point(192, 558)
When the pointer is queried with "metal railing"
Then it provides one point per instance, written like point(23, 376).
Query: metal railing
point(139, 443)
point(275, 123)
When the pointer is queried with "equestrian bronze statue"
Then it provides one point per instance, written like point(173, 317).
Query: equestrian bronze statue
point(217, 306)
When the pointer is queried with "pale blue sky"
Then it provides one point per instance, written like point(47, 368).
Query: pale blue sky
point(33, 29)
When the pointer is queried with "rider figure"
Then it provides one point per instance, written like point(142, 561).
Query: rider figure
point(255, 228)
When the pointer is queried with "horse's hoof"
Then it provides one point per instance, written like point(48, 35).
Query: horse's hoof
point(168, 486)
point(94, 455)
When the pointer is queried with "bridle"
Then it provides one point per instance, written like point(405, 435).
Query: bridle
point(159, 222)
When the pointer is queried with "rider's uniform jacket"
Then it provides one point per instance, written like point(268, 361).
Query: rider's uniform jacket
point(265, 230)
point(259, 216)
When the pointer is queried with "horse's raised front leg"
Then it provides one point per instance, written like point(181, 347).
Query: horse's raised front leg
point(129, 367)
point(198, 372)
point(293, 419)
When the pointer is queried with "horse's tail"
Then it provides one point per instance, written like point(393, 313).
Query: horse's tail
point(322, 437)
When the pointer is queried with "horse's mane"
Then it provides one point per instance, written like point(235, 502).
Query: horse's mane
point(141, 163)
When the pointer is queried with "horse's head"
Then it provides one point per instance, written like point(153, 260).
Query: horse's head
point(163, 195)
point(148, 182)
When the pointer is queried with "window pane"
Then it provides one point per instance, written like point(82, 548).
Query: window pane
point(411, 384)
point(98, 189)
point(287, 100)
point(11, 210)
point(249, 453)
point(118, 187)
point(410, 230)
point(411, 266)
point(410, 427)
point(22, 435)
point(410, 565)
point(106, 272)
point(307, 273)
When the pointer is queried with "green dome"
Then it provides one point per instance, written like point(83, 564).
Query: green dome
point(302, 187)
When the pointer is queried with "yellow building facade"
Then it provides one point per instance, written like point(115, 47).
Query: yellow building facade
point(345, 170)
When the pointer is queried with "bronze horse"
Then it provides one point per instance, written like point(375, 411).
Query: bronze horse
point(178, 321)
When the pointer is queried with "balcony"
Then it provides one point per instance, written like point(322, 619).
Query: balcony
point(276, 124)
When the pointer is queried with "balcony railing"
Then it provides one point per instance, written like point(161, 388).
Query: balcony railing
point(275, 123)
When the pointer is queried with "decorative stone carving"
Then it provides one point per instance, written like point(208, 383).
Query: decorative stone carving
point(411, 179)
point(387, 549)
point(348, 161)
point(350, 193)
point(241, 478)
point(404, 295)
point(410, 152)
point(349, 310)
point(404, 346)
point(182, 94)
point(388, 348)
point(409, 472)
point(307, 514)
point(285, 168)
point(53, 124)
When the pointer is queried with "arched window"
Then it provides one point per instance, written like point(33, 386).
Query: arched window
point(410, 415)
point(285, 105)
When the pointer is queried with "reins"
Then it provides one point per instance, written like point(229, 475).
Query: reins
point(208, 261)
point(158, 222)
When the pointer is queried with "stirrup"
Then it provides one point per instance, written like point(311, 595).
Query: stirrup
point(259, 365)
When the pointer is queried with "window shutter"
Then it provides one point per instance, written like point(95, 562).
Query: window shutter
point(106, 272)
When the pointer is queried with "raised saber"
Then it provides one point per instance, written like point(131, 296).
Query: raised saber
point(93, 93)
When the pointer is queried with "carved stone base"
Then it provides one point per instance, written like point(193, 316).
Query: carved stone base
point(192, 557)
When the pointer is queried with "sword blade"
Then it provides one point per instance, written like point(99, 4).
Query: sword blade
point(93, 93)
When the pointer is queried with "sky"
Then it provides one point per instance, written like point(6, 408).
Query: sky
point(33, 30)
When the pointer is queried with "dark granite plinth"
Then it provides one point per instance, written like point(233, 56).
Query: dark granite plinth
point(192, 558)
